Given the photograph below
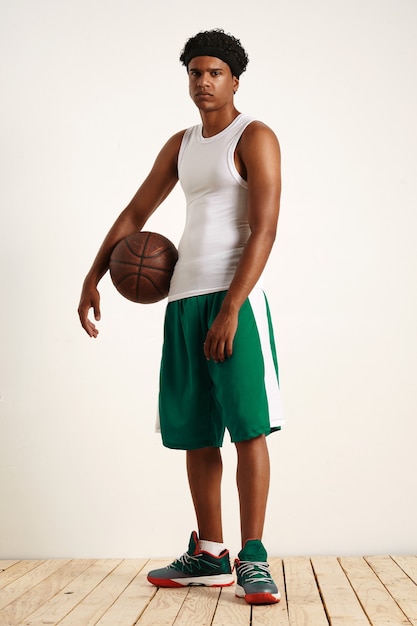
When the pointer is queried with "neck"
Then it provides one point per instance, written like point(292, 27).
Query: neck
point(216, 121)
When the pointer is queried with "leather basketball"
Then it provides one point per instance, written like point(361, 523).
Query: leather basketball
point(141, 266)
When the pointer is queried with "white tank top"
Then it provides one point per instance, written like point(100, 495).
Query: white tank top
point(216, 227)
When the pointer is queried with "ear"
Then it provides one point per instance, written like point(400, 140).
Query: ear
point(235, 84)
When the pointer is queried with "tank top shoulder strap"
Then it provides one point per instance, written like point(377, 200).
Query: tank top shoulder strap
point(185, 140)
point(241, 122)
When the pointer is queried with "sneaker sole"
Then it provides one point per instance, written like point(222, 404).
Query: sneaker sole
point(257, 598)
point(218, 580)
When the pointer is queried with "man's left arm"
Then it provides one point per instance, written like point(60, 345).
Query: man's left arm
point(259, 153)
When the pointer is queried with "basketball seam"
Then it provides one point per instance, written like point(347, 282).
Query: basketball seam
point(144, 277)
point(149, 267)
point(149, 256)
point(140, 268)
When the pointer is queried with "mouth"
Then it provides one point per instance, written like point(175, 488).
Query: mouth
point(203, 94)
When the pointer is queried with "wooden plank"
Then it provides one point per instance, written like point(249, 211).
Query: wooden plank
point(304, 603)
point(96, 603)
point(132, 601)
point(400, 586)
point(231, 610)
point(161, 608)
point(408, 564)
point(70, 596)
point(35, 597)
point(198, 607)
point(379, 606)
point(17, 570)
point(5, 564)
point(32, 578)
point(164, 607)
point(341, 604)
point(273, 614)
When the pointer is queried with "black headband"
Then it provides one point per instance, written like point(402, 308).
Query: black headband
point(209, 51)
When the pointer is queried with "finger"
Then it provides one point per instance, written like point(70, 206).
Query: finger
point(92, 330)
point(88, 326)
point(206, 349)
point(95, 303)
point(214, 349)
point(229, 347)
point(210, 351)
point(218, 352)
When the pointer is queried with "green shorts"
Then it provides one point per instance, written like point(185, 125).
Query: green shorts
point(199, 399)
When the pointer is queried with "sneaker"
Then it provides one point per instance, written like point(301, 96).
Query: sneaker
point(195, 567)
point(254, 581)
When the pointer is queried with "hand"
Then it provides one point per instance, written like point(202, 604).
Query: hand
point(219, 341)
point(90, 299)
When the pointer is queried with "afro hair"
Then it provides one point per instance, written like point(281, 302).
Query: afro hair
point(229, 48)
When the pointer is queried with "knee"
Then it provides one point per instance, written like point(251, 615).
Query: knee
point(204, 455)
point(256, 448)
point(247, 444)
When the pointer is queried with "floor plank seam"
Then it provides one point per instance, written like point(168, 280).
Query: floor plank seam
point(355, 592)
point(217, 604)
point(405, 571)
point(388, 590)
point(320, 593)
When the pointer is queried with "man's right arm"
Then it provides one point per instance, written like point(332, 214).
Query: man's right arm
point(159, 183)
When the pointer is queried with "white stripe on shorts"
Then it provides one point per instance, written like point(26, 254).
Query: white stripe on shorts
point(273, 393)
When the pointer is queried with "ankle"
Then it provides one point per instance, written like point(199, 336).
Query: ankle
point(213, 547)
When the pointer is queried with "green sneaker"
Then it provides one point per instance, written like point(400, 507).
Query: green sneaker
point(254, 581)
point(195, 567)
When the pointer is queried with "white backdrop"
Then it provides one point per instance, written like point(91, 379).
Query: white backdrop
point(91, 90)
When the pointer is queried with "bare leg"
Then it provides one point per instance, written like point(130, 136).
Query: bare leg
point(205, 468)
point(253, 474)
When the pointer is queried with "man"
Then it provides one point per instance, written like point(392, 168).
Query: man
point(218, 366)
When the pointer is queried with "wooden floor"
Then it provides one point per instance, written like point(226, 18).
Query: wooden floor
point(318, 591)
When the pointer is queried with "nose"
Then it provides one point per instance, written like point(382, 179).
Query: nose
point(202, 80)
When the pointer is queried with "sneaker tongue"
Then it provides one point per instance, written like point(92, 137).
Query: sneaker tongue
point(253, 550)
point(193, 544)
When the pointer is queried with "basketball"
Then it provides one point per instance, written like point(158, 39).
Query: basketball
point(141, 266)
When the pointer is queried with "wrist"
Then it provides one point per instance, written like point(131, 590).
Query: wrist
point(91, 280)
point(231, 304)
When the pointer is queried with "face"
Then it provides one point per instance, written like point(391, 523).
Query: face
point(211, 83)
